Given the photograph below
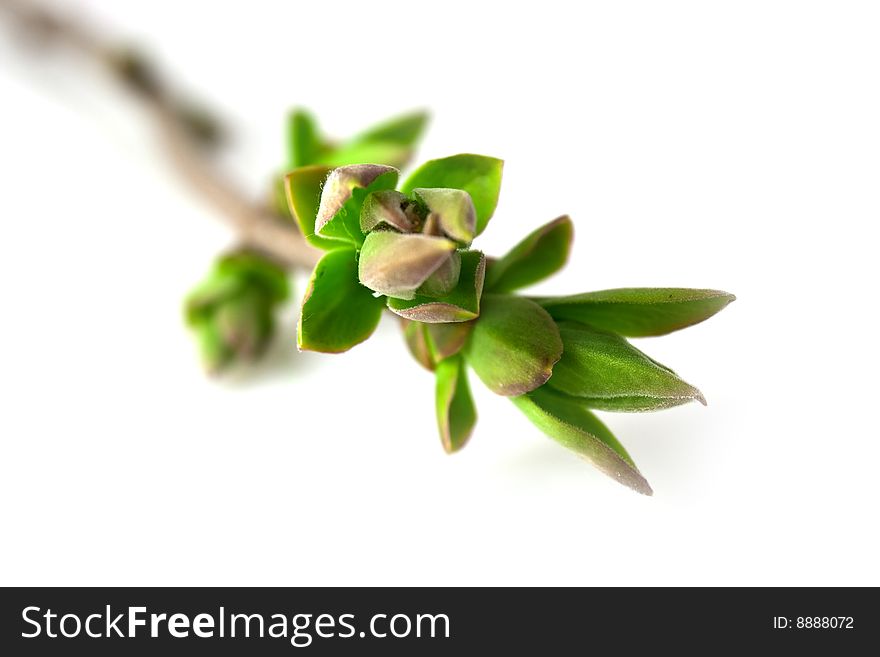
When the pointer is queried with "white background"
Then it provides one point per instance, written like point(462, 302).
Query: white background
point(723, 145)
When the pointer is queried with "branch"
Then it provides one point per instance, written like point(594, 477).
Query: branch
point(182, 134)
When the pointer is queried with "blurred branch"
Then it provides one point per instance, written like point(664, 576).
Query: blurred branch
point(186, 135)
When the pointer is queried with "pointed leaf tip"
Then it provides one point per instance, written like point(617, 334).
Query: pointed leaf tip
point(609, 374)
point(541, 254)
point(338, 190)
point(302, 189)
point(456, 413)
point(403, 130)
point(639, 312)
point(568, 421)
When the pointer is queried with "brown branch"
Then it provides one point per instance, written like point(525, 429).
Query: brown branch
point(257, 225)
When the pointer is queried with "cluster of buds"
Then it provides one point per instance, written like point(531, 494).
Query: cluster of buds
point(233, 310)
point(414, 246)
point(406, 249)
point(557, 358)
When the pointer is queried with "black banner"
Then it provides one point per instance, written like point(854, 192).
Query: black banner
point(277, 621)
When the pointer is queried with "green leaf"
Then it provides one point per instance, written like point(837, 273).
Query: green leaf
point(456, 414)
point(390, 143)
point(404, 130)
point(478, 175)
point(431, 343)
point(416, 337)
point(514, 345)
point(386, 208)
point(303, 187)
point(337, 311)
point(639, 312)
point(343, 195)
point(304, 144)
point(610, 374)
point(446, 340)
point(277, 200)
point(450, 211)
point(396, 264)
point(369, 153)
point(460, 305)
point(542, 253)
point(573, 426)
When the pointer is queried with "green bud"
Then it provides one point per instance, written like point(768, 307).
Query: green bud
point(514, 345)
point(478, 175)
point(460, 305)
point(444, 279)
point(389, 208)
point(396, 264)
point(340, 185)
point(214, 352)
point(232, 311)
point(451, 211)
point(245, 324)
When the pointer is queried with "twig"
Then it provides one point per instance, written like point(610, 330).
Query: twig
point(257, 225)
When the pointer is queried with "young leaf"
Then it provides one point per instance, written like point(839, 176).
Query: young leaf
point(416, 337)
point(389, 143)
point(639, 312)
point(337, 311)
point(610, 374)
point(343, 195)
point(478, 175)
point(452, 210)
point(514, 345)
point(396, 264)
point(460, 305)
point(358, 153)
point(303, 187)
point(539, 255)
point(573, 426)
point(304, 143)
point(403, 130)
point(445, 340)
point(386, 208)
point(456, 414)
point(444, 279)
